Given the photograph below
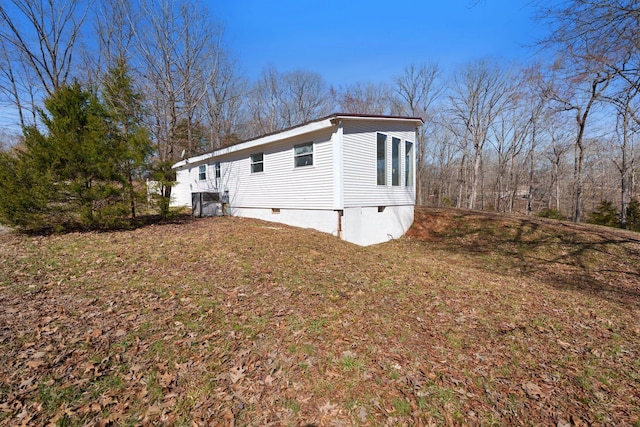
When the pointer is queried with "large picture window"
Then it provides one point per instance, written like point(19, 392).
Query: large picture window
point(257, 162)
point(303, 155)
point(408, 164)
point(202, 172)
point(382, 159)
point(395, 161)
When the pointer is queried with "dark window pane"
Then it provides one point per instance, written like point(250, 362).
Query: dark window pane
point(257, 162)
point(257, 167)
point(306, 160)
point(382, 159)
point(303, 155)
point(395, 161)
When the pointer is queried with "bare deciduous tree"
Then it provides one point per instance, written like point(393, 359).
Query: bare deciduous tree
point(596, 42)
point(363, 98)
point(578, 94)
point(417, 89)
point(38, 42)
point(480, 92)
point(281, 100)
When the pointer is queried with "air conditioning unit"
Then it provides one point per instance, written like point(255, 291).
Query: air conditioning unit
point(205, 204)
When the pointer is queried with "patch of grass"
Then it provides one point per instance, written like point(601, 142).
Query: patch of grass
point(316, 325)
point(293, 405)
point(401, 406)
point(351, 363)
point(105, 383)
point(154, 389)
point(308, 349)
point(53, 395)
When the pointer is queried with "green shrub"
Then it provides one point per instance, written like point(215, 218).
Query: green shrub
point(605, 214)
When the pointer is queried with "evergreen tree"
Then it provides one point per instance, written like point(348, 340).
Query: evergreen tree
point(130, 143)
point(633, 215)
point(165, 176)
point(68, 176)
point(25, 192)
point(605, 214)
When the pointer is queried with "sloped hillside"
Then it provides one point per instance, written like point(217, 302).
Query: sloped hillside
point(470, 319)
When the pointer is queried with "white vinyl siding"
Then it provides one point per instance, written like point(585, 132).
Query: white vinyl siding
point(360, 172)
point(281, 184)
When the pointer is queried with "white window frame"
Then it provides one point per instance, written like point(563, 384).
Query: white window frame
point(202, 172)
point(217, 168)
point(301, 155)
point(255, 162)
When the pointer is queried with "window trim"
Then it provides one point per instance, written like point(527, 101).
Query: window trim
point(255, 163)
point(380, 175)
point(217, 170)
point(202, 172)
point(297, 156)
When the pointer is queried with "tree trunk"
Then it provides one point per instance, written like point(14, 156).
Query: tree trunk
point(474, 178)
point(577, 176)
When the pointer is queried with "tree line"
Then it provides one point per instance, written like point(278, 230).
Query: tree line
point(110, 93)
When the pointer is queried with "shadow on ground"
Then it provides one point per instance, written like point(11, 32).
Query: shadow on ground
point(585, 258)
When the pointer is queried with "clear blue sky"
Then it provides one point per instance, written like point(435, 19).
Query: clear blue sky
point(350, 41)
point(371, 41)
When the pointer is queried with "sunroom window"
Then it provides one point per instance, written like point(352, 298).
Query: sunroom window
point(408, 164)
point(395, 161)
point(382, 159)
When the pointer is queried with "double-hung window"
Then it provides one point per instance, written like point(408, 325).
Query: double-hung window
point(381, 159)
point(303, 155)
point(217, 170)
point(257, 162)
point(202, 172)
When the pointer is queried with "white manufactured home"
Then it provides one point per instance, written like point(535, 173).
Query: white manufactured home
point(349, 175)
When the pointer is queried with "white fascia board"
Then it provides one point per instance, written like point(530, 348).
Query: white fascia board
point(418, 121)
point(192, 160)
point(289, 133)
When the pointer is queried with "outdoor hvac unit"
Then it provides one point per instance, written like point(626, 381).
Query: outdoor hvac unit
point(205, 204)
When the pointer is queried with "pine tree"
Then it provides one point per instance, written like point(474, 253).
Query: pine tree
point(633, 215)
point(25, 192)
point(67, 176)
point(605, 214)
point(130, 143)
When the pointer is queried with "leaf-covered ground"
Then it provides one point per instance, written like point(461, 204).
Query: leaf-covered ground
point(470, 319)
